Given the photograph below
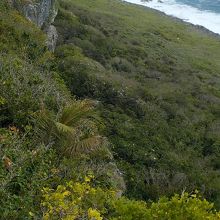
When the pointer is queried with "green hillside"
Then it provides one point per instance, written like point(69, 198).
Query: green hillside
point(158, 81)
point(124, 113)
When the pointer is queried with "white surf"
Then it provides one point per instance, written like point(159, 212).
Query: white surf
point(207, 19)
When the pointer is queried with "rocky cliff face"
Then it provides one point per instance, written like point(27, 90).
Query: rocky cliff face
point(42, 13)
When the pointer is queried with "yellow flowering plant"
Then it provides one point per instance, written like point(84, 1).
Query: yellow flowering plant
point(75, 200)
point(78, 200)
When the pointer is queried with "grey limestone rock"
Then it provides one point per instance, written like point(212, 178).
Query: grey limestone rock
point(51, 37)
point(42, 13)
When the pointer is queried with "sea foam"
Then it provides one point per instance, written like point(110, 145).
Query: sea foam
point(207, 19)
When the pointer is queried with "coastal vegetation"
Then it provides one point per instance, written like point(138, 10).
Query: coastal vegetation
point(158, 84)
point(122, 121)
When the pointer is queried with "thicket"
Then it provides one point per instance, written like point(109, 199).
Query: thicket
point(47, 137)
point(119, 101)
point(81, 200)
point(157, 80)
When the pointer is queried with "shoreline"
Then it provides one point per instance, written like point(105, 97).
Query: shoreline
point(197, 27)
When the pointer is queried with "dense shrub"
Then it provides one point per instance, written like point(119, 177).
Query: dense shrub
point(156, 86)
point(159, 96)
point(26, 168)
point(76, 200)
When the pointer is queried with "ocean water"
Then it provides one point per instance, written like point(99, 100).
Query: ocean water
point(199, 12)
point(206, 5)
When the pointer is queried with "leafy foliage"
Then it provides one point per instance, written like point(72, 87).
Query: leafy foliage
point(158, 84)
point(25, 170)
point(29, 88)
point(73, 130)
point(75, 200)
point(81, 200)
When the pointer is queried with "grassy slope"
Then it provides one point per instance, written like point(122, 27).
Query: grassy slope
point(158, 80)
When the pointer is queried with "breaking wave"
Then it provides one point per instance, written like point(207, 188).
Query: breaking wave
point(206, 18)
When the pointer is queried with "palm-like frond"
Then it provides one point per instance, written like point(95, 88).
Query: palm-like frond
point(45, 126)
point(73, 131)
point(64, 129)
point(87, 145)
point(74, 113)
